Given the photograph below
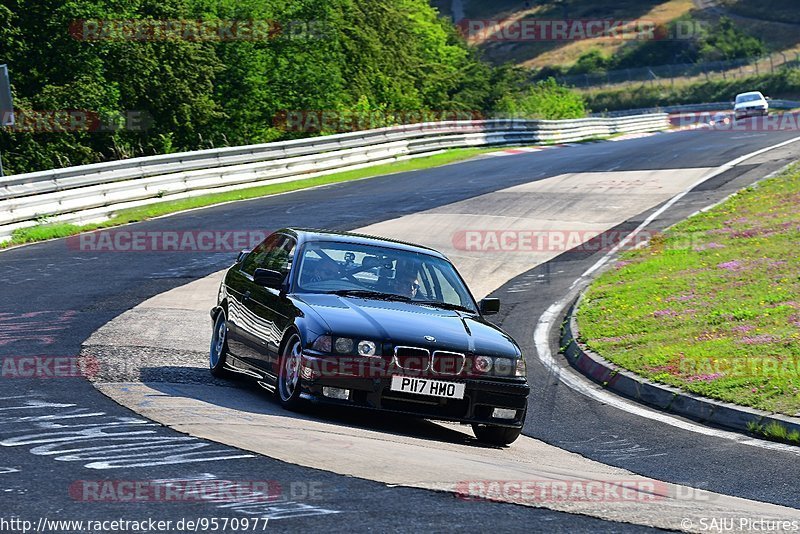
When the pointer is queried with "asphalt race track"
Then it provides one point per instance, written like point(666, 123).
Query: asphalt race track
point(59, 434)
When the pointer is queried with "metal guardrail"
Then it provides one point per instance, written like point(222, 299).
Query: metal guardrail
point(93, 192)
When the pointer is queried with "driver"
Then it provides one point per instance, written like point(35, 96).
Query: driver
point(321, 271)
point(405, 281)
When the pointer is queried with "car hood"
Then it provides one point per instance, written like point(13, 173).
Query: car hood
point(407, 323)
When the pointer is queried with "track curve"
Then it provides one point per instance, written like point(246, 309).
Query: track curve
point(71, 294)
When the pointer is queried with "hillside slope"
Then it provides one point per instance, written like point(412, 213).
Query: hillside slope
point(775, 22)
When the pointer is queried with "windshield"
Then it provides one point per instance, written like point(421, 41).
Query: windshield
point(380, 272)
point(750, 97)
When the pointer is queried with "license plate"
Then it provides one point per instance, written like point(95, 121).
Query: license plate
point(426, 386)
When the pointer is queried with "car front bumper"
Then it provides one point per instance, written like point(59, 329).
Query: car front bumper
point(749, 112)
point(481, 397)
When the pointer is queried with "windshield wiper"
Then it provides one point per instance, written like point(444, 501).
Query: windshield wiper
point(366, 293)
point(445, 305)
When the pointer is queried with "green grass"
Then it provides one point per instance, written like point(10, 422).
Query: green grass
point(711, 306)
point(46, 230)
point(775, 432)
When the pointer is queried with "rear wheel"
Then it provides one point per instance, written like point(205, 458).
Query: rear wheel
point(289, 381)
point(218, 354)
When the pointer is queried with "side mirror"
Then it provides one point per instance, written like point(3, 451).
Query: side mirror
point(767, 98)
point(242, 255)
point(268, 278)
point(489, 306)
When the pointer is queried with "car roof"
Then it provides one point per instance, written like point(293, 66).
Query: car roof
point(750, 93)
point(312, 234)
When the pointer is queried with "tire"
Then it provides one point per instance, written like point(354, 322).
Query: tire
point(496, 435)
point(289, 381)
point(218, 353)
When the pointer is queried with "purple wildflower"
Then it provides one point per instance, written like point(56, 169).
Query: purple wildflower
point(665, 313)
point(760, 339)
point(733, 265)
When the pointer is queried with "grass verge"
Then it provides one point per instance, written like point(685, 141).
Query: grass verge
point(775, 432)
point(47, 230)
point(712, 305)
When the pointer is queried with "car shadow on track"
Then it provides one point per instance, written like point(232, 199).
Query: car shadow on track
point(251, 399)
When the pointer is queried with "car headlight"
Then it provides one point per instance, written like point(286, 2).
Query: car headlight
point(344, 345)
point(504, 367)
point(483, 364)
point(367, 348)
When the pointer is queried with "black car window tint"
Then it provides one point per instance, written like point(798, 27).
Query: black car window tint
point(289, 246)
point(259, 254)
point(279, 257)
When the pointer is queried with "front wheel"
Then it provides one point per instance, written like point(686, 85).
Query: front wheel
point(218, 354)
point(289, 381)
point(496, 435)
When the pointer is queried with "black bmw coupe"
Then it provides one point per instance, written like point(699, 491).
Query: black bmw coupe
point(349, 319)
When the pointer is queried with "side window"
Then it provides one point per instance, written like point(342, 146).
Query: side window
point(425, 281)
point(261, 254)
point(280, 258)
point(446, 287)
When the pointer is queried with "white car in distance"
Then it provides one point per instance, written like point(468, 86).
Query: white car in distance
point(750, 104)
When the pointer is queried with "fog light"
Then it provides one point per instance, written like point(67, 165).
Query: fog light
point(336, 393)
point(504, 413)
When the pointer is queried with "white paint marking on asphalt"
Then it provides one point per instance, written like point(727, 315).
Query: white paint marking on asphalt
point(103, 441)
point(547, 322)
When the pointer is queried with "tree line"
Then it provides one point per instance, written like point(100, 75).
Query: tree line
point(95, 80)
